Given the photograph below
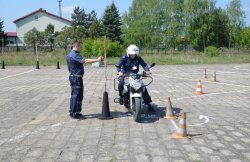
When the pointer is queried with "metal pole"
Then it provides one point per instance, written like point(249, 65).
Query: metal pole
point(3, 65)
point(37, 62)
point(60, 10)
point(105, 62)
point(36, 52)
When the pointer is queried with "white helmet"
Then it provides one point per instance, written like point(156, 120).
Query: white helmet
point(133, 50)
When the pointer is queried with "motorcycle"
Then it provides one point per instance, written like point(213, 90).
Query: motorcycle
point(132, 92)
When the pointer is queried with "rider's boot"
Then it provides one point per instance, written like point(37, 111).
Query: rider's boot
point(150, 108)
point(121, 100)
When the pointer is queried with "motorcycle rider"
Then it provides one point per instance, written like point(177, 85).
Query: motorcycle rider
point(130, 63)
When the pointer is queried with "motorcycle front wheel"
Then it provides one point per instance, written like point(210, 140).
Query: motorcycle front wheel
point(137, 109)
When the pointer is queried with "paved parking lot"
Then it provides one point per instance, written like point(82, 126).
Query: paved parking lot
point(35, 126)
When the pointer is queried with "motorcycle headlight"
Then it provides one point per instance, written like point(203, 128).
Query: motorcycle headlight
point(136, 85)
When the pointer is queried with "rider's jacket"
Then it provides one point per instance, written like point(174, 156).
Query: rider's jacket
point(75, 63)
point(126, 64)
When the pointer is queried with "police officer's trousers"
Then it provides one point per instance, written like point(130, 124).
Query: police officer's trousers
point(76, 84)
point(145, 95)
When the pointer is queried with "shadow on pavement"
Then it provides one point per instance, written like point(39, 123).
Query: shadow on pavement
point(146, 117)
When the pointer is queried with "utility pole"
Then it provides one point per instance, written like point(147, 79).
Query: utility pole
point(60, 10)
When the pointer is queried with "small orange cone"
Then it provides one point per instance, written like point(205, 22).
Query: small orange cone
point(199, 88)
point(181, 132)
point(169, 110)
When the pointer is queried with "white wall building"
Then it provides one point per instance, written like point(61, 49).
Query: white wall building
point(38, 19)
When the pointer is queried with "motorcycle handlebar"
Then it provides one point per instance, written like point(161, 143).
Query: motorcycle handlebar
point(142, 75)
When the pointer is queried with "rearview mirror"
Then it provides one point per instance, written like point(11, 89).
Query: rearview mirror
point(152, 65)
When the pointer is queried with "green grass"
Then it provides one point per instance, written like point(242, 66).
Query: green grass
point(48, 59)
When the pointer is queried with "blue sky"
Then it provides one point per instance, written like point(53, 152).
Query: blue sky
point(14, 9)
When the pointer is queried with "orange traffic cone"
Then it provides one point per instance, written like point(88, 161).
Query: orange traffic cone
point(169, 110)
point(199, 88)
point(181, 132)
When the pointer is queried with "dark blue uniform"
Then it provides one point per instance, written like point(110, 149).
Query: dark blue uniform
point(127, 65)
point(76, 71)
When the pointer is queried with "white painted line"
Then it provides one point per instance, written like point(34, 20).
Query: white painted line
point(201, 117)
point(207, 81)
point(237, 85)
point(204, 95)
point(237, 68)
point(174, 124)
point(57, 125)
point(25, 133)
point(17, 74)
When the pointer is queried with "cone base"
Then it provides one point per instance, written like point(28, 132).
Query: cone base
point(105, 118)
point(199, 93)
point(178, 136)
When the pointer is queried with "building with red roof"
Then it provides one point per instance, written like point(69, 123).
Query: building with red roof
point(38, 19)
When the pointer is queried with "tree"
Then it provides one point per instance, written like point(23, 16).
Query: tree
point(79, 18)
point(246, 37)
point(143, 24)
point(201, 27)
point(236, 22)
point(218, 31)
point(111, 22)
point(174, 22)
point(94, 29)
point(33, 38)
point(49, 35)
point(91, 17)
point(63, 38)
point(2, 35)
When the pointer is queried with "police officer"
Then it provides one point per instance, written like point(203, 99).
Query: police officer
point(130, 63)
point(76, 71)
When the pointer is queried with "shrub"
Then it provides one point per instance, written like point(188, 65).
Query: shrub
point(95, 47)
point(212, 51)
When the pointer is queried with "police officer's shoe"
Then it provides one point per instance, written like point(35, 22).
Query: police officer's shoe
point(151, 109)
point(78, 116)
point(121, 101)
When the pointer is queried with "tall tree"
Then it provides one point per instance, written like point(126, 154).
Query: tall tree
point(33, 38)
point(2, 35)
point(143, 23)
point(64, 39)
point(49, 34)
point(79, 17)
point(236, 22)
point(200, 26)
point(246, 37)
point(94, 29)
point(174, 22)
point(111, 22)
point(91, 17)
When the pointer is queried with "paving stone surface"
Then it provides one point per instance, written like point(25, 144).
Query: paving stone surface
point(35, 126)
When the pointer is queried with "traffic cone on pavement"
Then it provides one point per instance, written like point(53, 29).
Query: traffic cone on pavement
point(3, 65)
point(169, 110)
point(199, 88)
point(105, 108)
point(181, 132)
point(205, 74)
point(214, 77)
